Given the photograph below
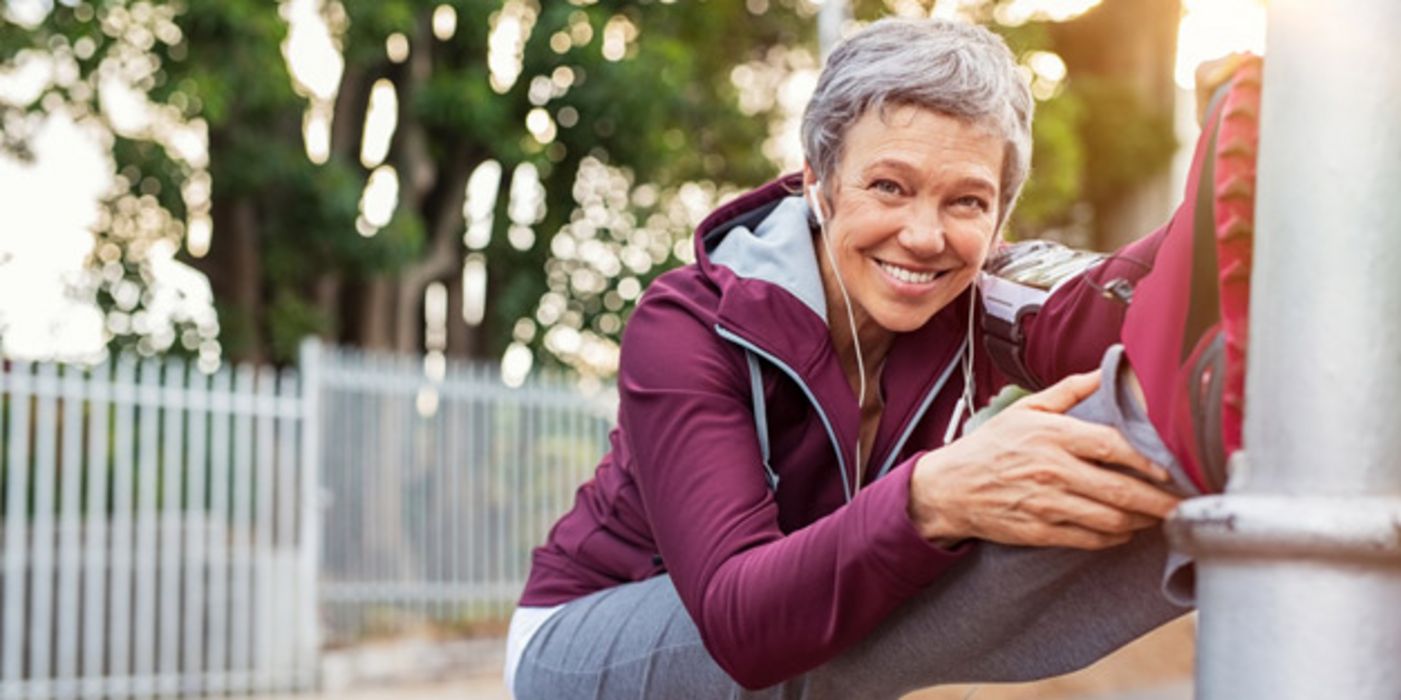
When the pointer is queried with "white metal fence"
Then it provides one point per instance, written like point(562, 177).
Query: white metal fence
point(438, 489)
point(154, 530)
point(164, 532)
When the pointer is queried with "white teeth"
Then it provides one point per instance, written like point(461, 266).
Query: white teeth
point(908, 276)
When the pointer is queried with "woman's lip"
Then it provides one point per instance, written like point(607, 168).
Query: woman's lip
point(908, 288)
point(917, 269)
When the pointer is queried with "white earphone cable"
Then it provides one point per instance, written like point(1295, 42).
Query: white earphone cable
point(965, 400)
point(851, 319)
point(968, 387)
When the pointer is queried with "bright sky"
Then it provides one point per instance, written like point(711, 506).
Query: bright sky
point(49, 205)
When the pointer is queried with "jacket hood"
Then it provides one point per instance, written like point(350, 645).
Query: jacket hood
point(757, 253)
point(772, 243)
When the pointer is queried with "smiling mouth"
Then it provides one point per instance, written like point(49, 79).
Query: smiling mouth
point(907, 275)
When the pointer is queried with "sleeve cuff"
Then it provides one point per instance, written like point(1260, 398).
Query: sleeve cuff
point(893, 541)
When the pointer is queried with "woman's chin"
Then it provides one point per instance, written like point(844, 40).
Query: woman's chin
point(904, 321)
point(903, 316)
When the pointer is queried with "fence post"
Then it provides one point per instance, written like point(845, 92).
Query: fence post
point(309, 360)
point(19, 386)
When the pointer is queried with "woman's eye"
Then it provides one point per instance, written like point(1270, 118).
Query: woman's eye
point(887, 187)
point(973, 202)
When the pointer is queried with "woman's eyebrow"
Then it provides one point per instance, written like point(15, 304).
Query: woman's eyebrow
point(904, 167)
point(977, 182)
point(888, 162)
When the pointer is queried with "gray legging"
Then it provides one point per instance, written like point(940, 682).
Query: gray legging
point(1004, 614)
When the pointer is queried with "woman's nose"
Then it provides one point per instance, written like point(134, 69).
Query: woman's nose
point(924, 236)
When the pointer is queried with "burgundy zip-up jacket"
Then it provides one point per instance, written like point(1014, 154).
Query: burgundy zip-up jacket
point(781, 580)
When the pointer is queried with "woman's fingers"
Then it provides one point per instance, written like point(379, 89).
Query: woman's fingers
point(1118, 490)
point(1103, 444)
point(1064, 394)
point(1087, 513)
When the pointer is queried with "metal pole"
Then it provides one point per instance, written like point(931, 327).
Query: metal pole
point(1299, 563)
point(830, 20)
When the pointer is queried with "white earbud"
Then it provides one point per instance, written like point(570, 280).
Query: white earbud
point(815, 203)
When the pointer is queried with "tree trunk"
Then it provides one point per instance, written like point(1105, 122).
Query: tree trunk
point(326, 294)
point(435, 191)
point(444, 255)
point(233, 266)
point(375, 320)
point(1133, 42)
point(348, 119)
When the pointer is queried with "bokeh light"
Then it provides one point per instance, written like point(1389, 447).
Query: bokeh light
point(444, 22)
point(381, 118)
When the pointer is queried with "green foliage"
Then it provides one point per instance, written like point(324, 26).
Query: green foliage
point(1058, 171)
point(1058, 168)
point(665, 115)
point(291, 318)
point(1123, 141)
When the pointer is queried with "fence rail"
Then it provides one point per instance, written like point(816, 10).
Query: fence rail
point(171, 533)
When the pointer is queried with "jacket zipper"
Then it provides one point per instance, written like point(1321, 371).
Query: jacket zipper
point(827, 423)
point(923, 407)
point(812, 398)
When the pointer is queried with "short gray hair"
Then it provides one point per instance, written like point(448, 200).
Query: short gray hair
point(961, 70)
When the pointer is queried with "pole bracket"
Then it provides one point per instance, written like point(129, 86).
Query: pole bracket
point(1288, 527)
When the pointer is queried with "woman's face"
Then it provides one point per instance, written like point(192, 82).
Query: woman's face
point(912, 211)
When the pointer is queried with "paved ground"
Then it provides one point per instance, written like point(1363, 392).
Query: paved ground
point(480, 688)
point(1156, 667)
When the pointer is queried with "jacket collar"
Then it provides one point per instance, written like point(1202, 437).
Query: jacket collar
point(758, 252)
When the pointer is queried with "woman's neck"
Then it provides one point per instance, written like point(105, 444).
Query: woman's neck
point(875, 340)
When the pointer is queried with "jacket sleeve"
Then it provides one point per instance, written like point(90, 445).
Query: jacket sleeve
point(769, 605)
point(1078, 322)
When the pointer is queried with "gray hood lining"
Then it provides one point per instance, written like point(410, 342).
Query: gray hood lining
point(778, 251)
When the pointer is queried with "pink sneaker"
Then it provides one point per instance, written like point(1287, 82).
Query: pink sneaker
point(1187, 329)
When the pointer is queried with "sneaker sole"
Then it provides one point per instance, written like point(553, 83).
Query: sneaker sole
point(1237, 147)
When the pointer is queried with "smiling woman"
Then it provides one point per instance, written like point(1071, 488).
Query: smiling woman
point(762, 514)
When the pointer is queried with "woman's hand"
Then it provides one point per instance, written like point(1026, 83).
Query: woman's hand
point(1032, 476)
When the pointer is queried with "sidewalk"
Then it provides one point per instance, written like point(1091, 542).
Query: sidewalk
point(477, 688)
point(1156, 667)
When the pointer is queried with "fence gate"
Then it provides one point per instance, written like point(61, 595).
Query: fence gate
point(436, 489)
point(153, 524)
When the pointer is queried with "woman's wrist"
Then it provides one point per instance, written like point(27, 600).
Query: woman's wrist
point(930, 518)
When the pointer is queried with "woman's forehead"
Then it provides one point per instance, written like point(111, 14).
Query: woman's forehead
point(910, 137)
